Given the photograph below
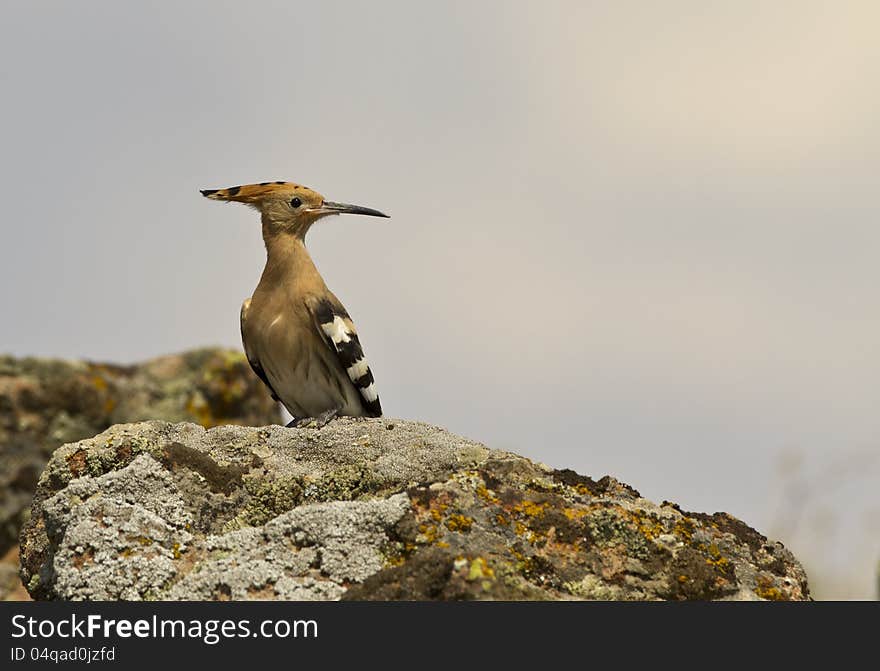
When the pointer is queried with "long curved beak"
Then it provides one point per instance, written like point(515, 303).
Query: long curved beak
point(330, 207)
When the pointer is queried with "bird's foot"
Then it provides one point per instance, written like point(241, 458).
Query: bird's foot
point(315, 422)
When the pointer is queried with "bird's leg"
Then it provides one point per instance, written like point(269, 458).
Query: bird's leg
point(316, 422)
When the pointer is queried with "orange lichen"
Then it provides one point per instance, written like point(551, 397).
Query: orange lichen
point(76, 462)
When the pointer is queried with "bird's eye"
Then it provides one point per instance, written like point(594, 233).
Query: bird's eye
point(295, 203)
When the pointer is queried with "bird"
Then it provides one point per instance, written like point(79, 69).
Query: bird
point(297, 336)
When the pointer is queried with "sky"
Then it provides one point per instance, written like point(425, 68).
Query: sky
point(631, 238)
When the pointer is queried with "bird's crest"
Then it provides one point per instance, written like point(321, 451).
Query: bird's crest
point(251, 193)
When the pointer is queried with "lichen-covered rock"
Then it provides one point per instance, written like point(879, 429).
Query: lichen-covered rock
point(367, 509)
point(46, 403)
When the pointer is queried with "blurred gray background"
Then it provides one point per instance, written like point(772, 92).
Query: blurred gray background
point(632, 238)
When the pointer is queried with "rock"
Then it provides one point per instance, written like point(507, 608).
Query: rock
point(367, 509)
point(45, 403)
point(11, 588)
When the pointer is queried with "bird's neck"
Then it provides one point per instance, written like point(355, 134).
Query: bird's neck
point(286, 258)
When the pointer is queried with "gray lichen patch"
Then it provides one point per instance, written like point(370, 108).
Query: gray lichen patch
point(116, 536)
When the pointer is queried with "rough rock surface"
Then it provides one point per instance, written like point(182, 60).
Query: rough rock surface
point(46, 403)
point(367, 509)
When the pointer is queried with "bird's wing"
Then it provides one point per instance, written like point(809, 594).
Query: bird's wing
point(251, 357)
point(336, 328)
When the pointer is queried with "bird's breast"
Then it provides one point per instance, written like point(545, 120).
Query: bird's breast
point(300, 367)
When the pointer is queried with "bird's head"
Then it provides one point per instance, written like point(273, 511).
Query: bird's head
point(285, 206)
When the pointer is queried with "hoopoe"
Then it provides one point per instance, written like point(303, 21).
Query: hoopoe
point(297, 336)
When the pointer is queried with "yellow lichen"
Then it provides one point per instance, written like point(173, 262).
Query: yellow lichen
point(574, 514)
point(767, 590)
point(716, 559)
point(486, 495)
point(437, 511)
point(480, 569)
point(684, 528)
point(649, 526)
point(459, 522)
point(530, 508)
point(428, 532)
point(770, 593)
point(198, 408)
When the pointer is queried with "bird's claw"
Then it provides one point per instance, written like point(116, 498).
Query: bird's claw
point(314, 422)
